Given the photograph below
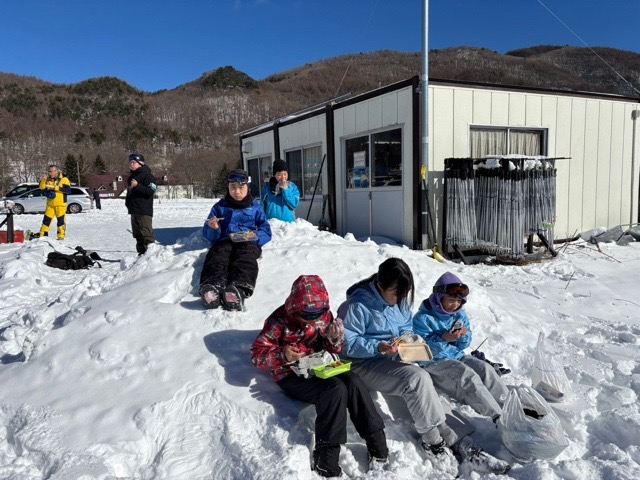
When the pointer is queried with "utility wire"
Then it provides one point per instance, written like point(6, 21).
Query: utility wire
point(354, 56)
point(587, 45)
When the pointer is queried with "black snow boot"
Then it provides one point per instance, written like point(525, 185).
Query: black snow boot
point(232, 298)
point(326, 461)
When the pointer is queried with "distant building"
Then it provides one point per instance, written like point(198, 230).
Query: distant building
point(109, 185)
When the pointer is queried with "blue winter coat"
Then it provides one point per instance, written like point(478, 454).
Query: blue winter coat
point(282, 206)
point(238, 220)
point(431, 324)
point(369, 320)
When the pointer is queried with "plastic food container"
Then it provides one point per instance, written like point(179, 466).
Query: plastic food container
point(332, 369)
point(247, 236)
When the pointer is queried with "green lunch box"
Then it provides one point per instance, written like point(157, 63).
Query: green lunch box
point(328, 371)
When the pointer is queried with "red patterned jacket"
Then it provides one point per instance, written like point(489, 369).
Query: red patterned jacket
point(285, 327)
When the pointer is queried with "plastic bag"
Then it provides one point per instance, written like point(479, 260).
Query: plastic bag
point(530, 428)
point(548, 376)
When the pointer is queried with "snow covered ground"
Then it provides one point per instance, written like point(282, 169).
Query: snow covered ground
point(127, 377)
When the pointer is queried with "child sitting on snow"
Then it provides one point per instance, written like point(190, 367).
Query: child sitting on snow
point(444, 325)
point(302, 326)
point(237, 229)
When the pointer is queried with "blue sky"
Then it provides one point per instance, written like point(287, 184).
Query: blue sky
point(156, 44)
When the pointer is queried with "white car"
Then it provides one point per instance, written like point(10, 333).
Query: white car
point(34, 201)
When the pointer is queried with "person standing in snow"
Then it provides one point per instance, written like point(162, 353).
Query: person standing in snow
point(56, 187)
point(443, 324)
point(141, 187)
point(237, 229)
point(280, 197)
point(302, 326)
point(376, 314)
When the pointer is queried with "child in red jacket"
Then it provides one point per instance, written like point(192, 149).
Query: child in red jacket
point(302, 326)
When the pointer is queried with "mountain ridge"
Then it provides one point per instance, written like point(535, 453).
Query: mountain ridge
point(189, 131)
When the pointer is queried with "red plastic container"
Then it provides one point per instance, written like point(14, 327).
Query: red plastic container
point(18, 236)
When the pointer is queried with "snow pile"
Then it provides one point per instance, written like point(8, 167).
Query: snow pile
point(125, 376)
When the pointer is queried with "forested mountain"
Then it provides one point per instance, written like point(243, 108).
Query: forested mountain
point(188, 132)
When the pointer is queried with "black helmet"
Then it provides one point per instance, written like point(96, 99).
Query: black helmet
point(136, 157)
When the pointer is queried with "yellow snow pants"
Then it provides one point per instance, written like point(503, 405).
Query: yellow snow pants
point(59, 212)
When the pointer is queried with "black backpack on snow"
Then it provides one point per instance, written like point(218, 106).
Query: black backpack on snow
point(76, 261)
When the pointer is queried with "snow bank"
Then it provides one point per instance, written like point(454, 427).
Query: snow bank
point(125, 376)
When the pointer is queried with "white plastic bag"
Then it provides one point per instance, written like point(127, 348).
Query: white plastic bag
point(526, 437)
point(548, 376)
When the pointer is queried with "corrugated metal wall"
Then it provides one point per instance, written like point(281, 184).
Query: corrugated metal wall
point(305, 133)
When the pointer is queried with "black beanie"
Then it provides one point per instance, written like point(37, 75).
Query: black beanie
point(280, 166)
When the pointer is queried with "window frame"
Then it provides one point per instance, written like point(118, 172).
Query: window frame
point(259, 180)
point(508, 128)
point(303, 160)
point(369, 134)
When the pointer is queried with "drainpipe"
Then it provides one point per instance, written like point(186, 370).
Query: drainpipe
point(424, 142)
point(635, 114)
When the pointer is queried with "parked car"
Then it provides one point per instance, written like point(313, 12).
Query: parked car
point(34, 201)
point(20, 189)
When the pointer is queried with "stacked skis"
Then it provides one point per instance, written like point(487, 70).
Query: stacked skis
point(492, 204)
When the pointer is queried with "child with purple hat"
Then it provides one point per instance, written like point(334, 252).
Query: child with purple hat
point(444, 325)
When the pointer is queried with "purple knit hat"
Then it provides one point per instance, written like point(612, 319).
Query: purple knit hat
point(435, 299)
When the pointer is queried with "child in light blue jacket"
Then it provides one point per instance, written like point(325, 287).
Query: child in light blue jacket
point(443, 324)
point(280, 197)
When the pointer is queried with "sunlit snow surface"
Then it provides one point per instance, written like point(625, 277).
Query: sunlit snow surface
point(126, 376)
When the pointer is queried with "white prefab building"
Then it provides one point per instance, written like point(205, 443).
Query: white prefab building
point(369, 182)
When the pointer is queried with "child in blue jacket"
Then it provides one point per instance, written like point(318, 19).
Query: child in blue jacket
point(237, 229)
point(280, 197)
point(444, 325)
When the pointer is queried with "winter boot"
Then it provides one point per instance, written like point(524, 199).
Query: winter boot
point(325, 461)
point(478, 460)
point(210, 295)
point(232, 298)
point(435, 448)
point(378, 451)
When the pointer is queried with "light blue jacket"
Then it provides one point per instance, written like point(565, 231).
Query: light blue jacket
point(369, 320)
point(282, 206)
point(431, 324)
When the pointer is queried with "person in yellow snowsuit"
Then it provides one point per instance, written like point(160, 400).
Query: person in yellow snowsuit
point(56, 187)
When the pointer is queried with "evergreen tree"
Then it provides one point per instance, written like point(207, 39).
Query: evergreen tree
point(99, 166)
point(71, 168)
point(75, 169)
point(220, 181)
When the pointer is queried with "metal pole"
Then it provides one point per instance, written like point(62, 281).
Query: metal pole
point(635, 114)
point(424, 124)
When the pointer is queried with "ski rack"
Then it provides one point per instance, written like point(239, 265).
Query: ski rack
point(492, 203)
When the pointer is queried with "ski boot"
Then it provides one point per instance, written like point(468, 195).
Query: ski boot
point(477, 460)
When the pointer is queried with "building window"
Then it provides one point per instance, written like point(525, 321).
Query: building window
point(385, 169)
point(486, 141)
point(304, 169)
point(259, 169)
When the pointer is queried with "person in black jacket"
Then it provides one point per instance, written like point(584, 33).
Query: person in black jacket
point(141, 187)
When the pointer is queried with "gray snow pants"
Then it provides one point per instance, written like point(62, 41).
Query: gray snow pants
point(469, 381)
point(413, 384)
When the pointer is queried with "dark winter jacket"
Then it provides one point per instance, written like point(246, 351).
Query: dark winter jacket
point(284, 327)
point(140, 198)
point(235, 220)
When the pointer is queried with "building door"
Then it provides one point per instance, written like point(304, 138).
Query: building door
point(373, 206)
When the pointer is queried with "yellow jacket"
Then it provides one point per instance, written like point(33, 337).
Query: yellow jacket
point(61, 186)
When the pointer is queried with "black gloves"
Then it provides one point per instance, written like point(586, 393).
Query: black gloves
point(498, 367)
